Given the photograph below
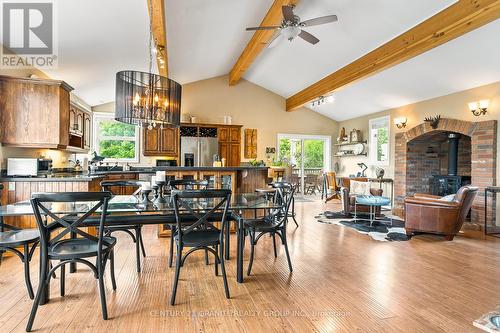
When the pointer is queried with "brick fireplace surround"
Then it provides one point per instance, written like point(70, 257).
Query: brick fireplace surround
point(483, 159)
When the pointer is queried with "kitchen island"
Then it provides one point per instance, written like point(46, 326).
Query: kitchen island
point(244, 179)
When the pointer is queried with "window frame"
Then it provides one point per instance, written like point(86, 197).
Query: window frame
point(97, 117)
point(372, 145)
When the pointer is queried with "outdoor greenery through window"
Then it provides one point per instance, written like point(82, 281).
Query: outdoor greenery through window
point(291, 149)
point(379, 140)
point(115, 140)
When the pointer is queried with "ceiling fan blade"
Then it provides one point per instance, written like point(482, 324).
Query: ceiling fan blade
point(319, 20)
point(262, 28)
point(287, 13)
point(275, 40)
point(308, 37)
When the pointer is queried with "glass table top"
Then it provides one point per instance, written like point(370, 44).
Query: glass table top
point(133, 204)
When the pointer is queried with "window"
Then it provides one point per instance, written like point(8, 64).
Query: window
point(114, 140)
point(380, 140)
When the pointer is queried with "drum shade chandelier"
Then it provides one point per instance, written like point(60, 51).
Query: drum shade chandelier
point(147, 99)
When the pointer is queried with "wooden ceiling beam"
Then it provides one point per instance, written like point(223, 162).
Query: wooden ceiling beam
point(159, 34)
point(452, 22)
point(259, 40)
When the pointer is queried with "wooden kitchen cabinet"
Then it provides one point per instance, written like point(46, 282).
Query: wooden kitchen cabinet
point(230, 144)
point(161, 142)
point(80, 129)
point(151, 142)
point(169, 142)
point(35, 113)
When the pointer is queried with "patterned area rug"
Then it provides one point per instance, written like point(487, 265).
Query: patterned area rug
point(381, 230)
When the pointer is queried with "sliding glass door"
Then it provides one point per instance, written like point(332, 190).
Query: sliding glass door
point(309, 156)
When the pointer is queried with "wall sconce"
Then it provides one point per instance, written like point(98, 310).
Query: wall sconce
point(479, 108)
point(400, 122)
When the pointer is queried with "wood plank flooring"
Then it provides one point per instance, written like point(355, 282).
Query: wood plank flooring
point(342, 281)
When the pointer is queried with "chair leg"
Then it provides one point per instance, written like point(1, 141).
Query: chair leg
point(216, 248)
point(27, 278)
point(102, 292)
point(206, 258)
point(223, 269)
point(42, 285)
point(62, 280)
point(252, 250)
point(137, 250)
point(142, 242)
point(274, 245)
point(293, 212)
point(171, 252)
point(112, 268)
point(285, 244)
point(176, 277)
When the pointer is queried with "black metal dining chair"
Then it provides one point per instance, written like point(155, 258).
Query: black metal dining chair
point(11, 239)
point(72, 250)
point(108, 185)
point(202, 234)
point(274, 223)
point(184, 184)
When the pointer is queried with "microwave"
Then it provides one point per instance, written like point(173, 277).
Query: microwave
point(22, 167)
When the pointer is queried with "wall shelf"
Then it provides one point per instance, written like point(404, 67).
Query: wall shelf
point(349, 143)
point(350, 155)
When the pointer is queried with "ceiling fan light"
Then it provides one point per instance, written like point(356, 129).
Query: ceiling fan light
point(290, 32)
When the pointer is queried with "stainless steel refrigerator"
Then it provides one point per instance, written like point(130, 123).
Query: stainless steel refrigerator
point(199, 150)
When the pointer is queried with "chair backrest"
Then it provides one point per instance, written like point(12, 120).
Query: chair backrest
point(107, 185)
point(188, 184)
point(72, 222)
point(330, 180)
point(284, 197)
point(465, 196)
point(188, 199)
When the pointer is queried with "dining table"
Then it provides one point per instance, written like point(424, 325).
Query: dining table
point(136, 210)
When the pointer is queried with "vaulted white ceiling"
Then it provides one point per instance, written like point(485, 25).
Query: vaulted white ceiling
point(205, 38)
point(96, 40)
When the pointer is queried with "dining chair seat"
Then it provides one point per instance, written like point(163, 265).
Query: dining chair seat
point(201, 238)
point(262, 224)
point(18, 237)
point(79, 247)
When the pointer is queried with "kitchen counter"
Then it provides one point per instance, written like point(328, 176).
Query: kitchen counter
point(87, 177)
point(55, 178)
point(151, 170)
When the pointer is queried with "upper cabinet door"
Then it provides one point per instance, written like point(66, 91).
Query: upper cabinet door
point(151, 142)
point(223, 134)
point(87, 130)
point(235, 135)
point(34, 113)
point(72, 118)
point(169, 142)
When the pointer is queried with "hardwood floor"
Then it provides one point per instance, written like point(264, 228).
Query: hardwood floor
point(342, 281)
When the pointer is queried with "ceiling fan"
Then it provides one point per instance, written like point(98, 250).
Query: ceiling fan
point(291, 27)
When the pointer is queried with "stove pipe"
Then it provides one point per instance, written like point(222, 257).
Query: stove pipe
point(453, 153)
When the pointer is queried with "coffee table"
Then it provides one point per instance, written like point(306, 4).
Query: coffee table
point(373, 202)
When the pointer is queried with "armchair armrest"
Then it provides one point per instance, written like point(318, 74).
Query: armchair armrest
point(432, 202)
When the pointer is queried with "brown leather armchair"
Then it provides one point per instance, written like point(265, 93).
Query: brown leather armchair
point(426, 213)
point(349, 199)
